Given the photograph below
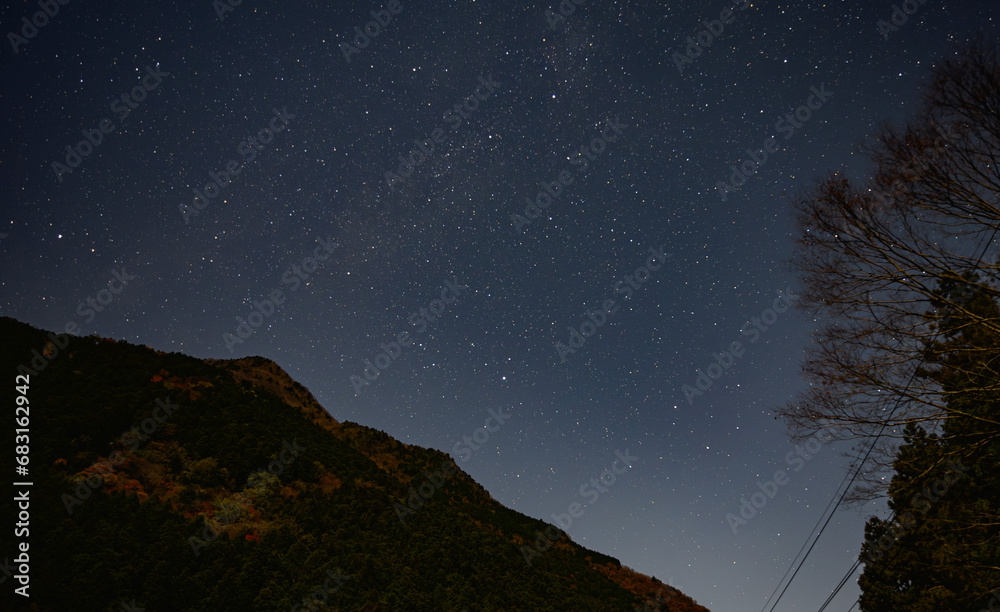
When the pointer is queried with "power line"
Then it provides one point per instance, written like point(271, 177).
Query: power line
point(861, 464)
point(840, 585)
point(844, 494)
point(857, 563)
point(804, 544)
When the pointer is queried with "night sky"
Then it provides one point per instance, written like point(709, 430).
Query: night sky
point(439, 201)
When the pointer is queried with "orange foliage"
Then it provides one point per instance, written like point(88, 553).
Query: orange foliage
point(649, 588)
point(328, 482)
point(190, 384)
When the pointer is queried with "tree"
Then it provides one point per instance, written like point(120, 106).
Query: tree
point(940, 552)
point(880, 261)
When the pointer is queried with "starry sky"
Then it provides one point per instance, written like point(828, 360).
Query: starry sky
point(445, 197)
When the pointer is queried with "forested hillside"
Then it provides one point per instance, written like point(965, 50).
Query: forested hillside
point(165, 482)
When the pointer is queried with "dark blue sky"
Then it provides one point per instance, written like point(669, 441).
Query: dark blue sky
point(628, 153)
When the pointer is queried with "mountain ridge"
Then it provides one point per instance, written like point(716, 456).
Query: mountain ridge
point(228, 477)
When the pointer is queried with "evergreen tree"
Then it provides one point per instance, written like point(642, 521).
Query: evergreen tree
point(940, 551)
